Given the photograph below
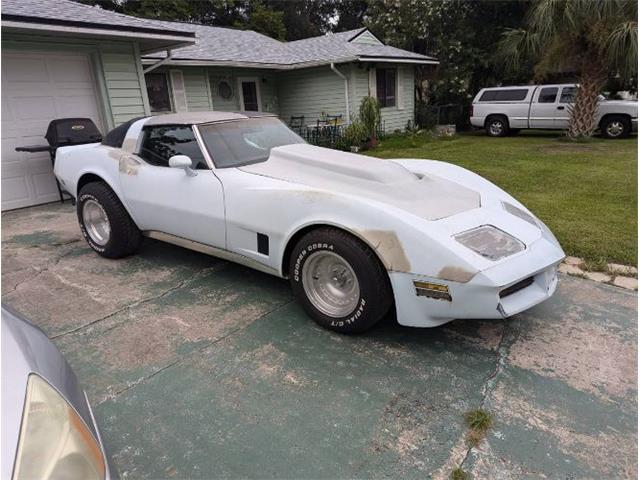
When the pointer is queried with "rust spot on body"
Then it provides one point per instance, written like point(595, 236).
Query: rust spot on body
point(389, 248)
point(455, 274)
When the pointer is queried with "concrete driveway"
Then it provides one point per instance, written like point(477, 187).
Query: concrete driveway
point(199, 368)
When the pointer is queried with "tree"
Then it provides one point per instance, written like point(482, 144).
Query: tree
point(263, 20)
point(595, 40)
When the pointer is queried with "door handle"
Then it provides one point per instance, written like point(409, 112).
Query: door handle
point(560, 108)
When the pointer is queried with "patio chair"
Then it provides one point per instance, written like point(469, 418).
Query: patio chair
point(297, 123)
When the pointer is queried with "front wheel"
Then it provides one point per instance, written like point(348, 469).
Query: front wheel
point(105, 223)
point(339, 281)
point(615, 126)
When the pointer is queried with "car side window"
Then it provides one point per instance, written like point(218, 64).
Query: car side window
point(568, 94)
point(163, 142)
point(548, 95)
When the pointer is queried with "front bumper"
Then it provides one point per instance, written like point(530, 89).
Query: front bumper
point(524, 281)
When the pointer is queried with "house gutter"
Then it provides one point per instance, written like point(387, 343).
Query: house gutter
point(159, 62)
point(346, 91)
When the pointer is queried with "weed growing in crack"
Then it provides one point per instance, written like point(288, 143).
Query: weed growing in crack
point(459, 474)
point(479, 422)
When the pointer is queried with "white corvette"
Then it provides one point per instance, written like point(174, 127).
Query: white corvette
point(356, 236)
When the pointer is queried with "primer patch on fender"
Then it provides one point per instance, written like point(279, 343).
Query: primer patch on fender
point(456, 274)
point(386, 243)
point(128, 165)
point(129, 144)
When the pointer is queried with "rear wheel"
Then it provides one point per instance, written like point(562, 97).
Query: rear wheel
point(497, 126)
point(104, 222)
point(615, 126)
point(339, 281)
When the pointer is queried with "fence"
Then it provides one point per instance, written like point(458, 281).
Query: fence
point(331, 136)
point(428, 116)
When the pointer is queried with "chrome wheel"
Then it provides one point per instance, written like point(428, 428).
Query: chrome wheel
point(330, 284)
point(496, 128)
point(96, 222)
point(615, 128)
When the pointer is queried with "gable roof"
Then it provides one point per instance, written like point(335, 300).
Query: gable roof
point(72, 18)
point(246, 48)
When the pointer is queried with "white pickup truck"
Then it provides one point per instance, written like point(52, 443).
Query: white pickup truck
point(504, 110)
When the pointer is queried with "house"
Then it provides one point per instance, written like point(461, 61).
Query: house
point(65, 59)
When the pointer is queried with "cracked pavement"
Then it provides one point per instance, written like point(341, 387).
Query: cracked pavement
point(199, 368)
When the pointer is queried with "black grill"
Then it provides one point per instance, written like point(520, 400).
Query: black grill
point(72, 131)
point(516, 287)
point(63, 132)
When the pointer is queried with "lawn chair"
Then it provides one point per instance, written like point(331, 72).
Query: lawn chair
point(333, 122)
point(296, 124)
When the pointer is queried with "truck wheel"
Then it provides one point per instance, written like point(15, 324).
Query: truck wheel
point(104, 222)
point(615, 126)
point(497, 126)
point(339, 281)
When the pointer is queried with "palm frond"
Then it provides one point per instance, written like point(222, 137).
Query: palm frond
point(621, 47)
point(516, 45)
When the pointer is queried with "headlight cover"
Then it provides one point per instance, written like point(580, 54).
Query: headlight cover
point(518, 212)
point(54, 441)
point(490, 242)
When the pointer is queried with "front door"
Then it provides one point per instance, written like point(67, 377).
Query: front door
point(544, 108)
point(165, 199)
point(249, 95)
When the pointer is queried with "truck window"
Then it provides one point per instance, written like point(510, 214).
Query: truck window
point(568, 94)
point(511, 95)
point(548, 95)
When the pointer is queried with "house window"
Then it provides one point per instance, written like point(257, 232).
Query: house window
point(386, 86)
point(158, 92)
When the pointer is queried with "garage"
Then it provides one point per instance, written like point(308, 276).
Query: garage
point(36, 88)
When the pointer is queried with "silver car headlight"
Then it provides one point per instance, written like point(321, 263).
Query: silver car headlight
point(54, 441)
point(490, 242)
point(518, 212)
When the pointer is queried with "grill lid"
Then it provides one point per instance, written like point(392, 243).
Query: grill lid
point(72, 131)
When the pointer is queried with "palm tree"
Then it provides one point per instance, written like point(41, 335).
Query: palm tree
point(595, 39)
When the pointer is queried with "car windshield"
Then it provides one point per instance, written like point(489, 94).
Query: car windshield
point(241, 142)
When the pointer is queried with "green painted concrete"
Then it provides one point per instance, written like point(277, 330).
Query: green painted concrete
point(198, 368)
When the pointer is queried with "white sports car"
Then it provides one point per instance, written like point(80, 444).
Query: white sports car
point(356, 236)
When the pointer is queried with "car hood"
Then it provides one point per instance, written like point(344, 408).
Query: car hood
point(426, 196)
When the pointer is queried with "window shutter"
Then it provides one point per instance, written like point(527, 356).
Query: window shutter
point(372, 83)
point(400, 89)
point(179, 92)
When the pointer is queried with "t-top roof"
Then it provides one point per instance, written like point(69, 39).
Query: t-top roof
point(197, 118)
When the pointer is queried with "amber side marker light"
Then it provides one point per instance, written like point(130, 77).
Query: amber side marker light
point(432, 290)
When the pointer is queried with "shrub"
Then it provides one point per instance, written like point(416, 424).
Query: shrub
point(370, 117)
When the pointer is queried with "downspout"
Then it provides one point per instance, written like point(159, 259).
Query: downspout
point(346, 90)
point(159, 62)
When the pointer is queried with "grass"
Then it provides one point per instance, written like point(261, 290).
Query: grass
point(585, 192)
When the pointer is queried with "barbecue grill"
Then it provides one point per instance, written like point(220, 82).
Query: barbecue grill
point(63, 132)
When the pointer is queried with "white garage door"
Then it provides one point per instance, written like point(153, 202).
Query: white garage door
point(36, 88)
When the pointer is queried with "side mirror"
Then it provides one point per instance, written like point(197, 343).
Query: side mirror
point(184, 162)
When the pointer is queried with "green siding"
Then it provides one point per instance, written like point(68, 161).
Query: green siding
point(310, 92)
point(394, 118)
point(366, 38)
point(195, 83)
point(124, 89)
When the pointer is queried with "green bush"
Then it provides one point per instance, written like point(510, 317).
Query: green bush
point(370, 116)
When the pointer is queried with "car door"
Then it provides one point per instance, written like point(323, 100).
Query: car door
point(565, 103)
point(168, 200)
point(544, 108)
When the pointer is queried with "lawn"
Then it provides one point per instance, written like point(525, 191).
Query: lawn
point(585, 192)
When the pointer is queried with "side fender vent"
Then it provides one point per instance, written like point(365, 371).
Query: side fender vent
point(263, 244)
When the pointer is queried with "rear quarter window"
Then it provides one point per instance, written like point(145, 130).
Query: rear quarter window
point(511, 95)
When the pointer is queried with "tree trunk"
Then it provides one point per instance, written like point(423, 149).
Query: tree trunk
point(582, 120)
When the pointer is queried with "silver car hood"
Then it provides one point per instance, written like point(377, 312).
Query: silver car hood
point(428, 197)
point(25, 350)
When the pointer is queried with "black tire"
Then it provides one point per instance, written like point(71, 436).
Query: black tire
point(125, 237)
point(496, 126)
point(375, 297)
point(615, 126)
